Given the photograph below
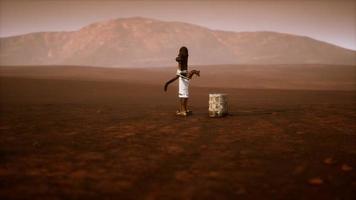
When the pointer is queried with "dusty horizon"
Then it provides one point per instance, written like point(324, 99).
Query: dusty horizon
point(330, 21)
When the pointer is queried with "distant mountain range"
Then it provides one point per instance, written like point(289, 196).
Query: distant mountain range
point(139, 42)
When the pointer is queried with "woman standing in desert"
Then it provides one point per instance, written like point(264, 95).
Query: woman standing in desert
point(184, 76)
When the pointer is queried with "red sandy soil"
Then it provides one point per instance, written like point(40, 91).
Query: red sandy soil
point(305, 77)
point(95, 138)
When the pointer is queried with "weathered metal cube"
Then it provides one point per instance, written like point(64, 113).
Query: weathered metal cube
point(218, 106)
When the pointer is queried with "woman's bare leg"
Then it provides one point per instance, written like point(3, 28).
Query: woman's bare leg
point(185, 104)
point(181, 101)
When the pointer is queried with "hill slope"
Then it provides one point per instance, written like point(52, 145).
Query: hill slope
point(146, 42)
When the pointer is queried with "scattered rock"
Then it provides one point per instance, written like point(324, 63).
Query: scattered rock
point(174, 149)
point(300, 132)
point(79, 174)
point(346, 167)
point(213, 174)
point(4, 127)
point(241, 191)
point(299, 169)
point(315, 181)
point(183, 176)
point(353, 184)
point(244, 152)
point(329, 161)
point(35, 144)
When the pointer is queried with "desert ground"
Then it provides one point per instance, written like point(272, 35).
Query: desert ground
point(72, 132)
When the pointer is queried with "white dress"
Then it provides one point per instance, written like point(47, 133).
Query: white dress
point(183, 91)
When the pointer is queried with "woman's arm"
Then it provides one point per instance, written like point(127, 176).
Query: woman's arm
point(169, 82)
point(193, 72)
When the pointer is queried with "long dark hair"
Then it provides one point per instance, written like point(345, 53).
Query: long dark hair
point(182, 58)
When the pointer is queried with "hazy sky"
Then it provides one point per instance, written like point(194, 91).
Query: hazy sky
point(326, 20)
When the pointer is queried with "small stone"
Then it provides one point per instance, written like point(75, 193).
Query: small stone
point(315, 181)
point(183, 176)
point(328, 161)
point(299, 169)
point(174, 149)
point(300, 132)
point(241, 191)
point(212, 174)
point(35, 144)
point(353, 184)
point(346, 168)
